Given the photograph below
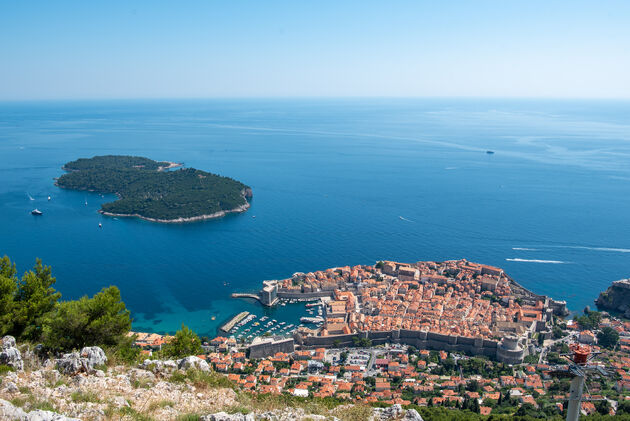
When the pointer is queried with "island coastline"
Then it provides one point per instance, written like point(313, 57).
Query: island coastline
point(170, 165)
point(146, 189)
point(181, 220)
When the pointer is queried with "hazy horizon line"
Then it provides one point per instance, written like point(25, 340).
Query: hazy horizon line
point(307, 97)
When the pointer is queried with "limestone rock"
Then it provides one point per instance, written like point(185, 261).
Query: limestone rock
point(86, 361)
point(8, 342)
point(10, 355)
point(193, 362)
point(119, 402)
point(159, 367)
point(11, 387)
point(71, 364)
point(137, 374)
point(10, 412)
point(412, 415)
point(393, 412)
point(224, 416)
point(95, 356)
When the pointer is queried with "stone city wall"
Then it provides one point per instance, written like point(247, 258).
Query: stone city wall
point(269, 348)
point(423, 340)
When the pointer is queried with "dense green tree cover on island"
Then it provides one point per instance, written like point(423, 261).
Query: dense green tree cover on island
point(143, 189)
point(30, 310)
point(114, 161)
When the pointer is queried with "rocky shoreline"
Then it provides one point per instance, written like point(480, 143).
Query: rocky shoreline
point(247, 193)
point(170, 166)
point(215, 215)
point(616, 298)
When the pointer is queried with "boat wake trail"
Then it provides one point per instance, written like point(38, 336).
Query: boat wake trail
point(618, 250)
point(405, 219)
point(30, 197)
point(555, 262)
point(524, 249)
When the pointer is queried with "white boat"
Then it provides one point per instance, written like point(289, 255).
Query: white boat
point(37, 212)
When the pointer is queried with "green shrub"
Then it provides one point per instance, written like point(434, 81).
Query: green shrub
point(84, 396)
point(4, 369)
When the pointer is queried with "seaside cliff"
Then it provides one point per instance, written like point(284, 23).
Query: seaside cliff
point(616, 298)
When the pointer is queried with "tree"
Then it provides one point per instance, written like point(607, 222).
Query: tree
point(100, 320)
point(527, 409)
point(474, 405)
point(557, 332)
point(185, 343)
point(35, 298)
point(623, 407)
point(8, 291)
point(361, 342)
point(589, 321)
point(608, 337)
point(603, 407)
point(473, 386)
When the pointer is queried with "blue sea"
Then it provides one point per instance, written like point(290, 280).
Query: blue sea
point(336, 182)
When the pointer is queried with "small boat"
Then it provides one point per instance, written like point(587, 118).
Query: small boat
point(253, 216)
point(48, 197)
point(100, 225)
point(213, 318)
point(86, 203)
point(490, 152)
point(37, 212)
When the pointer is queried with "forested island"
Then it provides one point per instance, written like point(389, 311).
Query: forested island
point(146, 190)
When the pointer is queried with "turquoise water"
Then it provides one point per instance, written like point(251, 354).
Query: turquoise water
point(336, 182)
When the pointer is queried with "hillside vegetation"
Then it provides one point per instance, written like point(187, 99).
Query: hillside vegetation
point(145, 190)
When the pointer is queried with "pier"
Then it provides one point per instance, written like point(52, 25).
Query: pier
point(229, 325)
point(268, 296)
point(245, 295)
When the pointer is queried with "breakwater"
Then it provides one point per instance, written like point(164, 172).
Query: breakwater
point(229, 325)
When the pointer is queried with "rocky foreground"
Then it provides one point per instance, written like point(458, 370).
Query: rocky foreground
point(81, 386)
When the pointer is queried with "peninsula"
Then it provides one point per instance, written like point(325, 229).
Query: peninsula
point(455, 305)
point(147, 189)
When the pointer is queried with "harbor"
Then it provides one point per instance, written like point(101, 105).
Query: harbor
point(281, 320)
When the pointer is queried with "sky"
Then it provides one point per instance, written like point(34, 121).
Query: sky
point(266, 48)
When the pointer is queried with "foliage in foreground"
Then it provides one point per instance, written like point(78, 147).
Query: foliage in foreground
point(186, 342)
point(30, 310)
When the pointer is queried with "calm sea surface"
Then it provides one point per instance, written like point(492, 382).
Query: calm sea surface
point(336, 182)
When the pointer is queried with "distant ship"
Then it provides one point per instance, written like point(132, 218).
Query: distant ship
point(490, 152)
point(37, 212)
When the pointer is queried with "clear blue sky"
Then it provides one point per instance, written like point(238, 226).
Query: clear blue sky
point(264, 48)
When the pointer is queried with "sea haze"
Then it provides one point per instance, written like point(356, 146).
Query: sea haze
point(335, 182)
